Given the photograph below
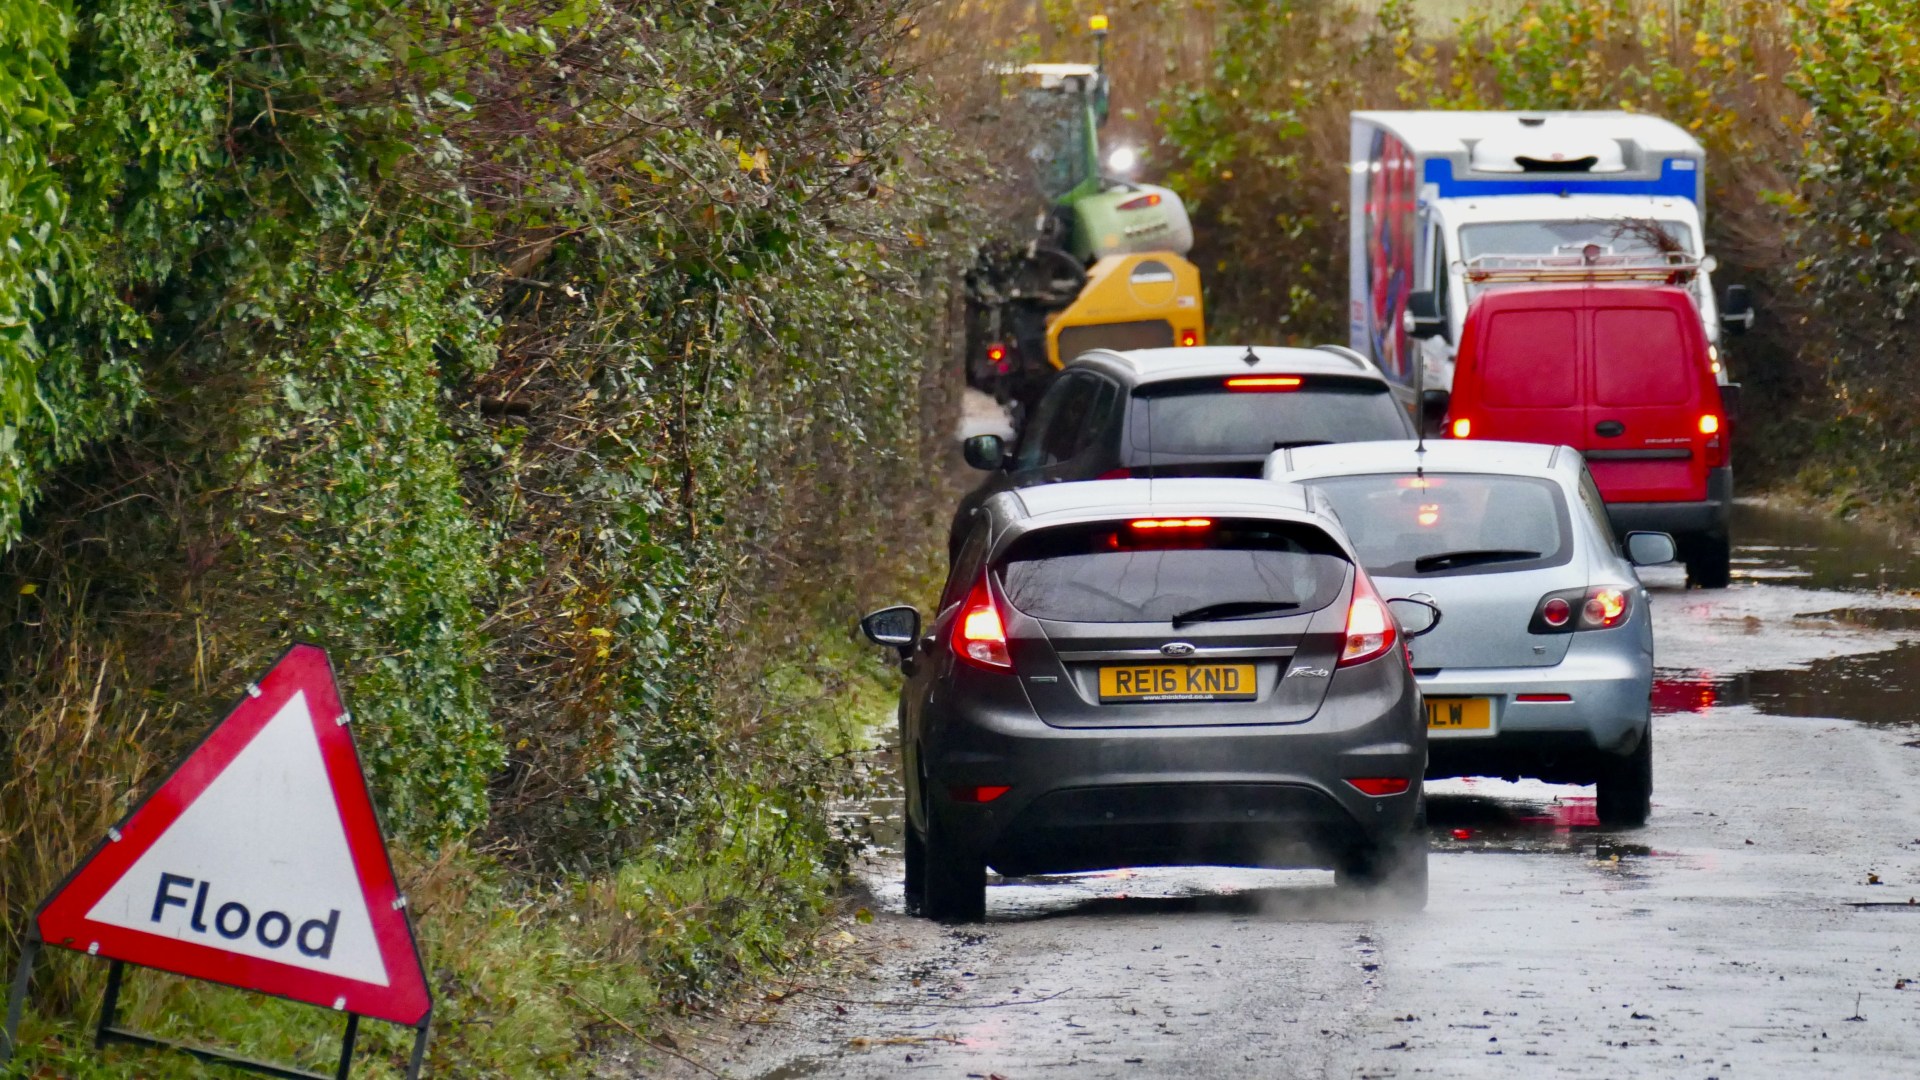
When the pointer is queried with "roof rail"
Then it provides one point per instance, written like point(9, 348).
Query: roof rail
point(1345, 353)
point(1666, 268)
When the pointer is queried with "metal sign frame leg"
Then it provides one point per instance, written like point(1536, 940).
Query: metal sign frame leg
point(17, 997)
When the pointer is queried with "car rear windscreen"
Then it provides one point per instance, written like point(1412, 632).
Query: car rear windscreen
point(1451, 523)
point(1214, 418)
point(1128, 572)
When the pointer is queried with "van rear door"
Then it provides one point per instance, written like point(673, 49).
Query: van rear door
point(1526, 369)
point(1647, 375)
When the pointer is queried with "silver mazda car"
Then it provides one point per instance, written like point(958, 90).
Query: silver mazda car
point(1542, 665)
point(1158, 673)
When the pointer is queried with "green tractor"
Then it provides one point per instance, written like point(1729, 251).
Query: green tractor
point(1106, 266)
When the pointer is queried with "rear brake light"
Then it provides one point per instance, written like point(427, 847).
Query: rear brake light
point(979, 635)
point(1115, 474)
point(978, 794)
point(1370, 629)
point(1709, 424)
point(1599, 608)
point(1171, 523)
point(1380, 785)
point(1264, 382)
point(1189, 338)
point(1141, 203)
point(1462, 428)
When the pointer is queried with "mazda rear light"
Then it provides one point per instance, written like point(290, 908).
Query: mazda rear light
point(1370, 628)
point(1380, 785)
point(1601, 607)
point(979, 636)
point(1263, 383)
point(1462, 428)
point(1144, 202)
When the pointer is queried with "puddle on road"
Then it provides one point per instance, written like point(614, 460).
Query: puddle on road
point(1780, 547)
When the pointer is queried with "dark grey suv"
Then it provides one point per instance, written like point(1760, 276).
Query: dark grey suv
point(1131, 673)
point(1210, 411)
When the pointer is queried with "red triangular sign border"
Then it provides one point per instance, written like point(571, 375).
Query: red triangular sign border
point(62, 919)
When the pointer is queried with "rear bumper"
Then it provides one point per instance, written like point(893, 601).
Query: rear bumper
point(1241, 795)
point(1680, 518)
point(1608, 677)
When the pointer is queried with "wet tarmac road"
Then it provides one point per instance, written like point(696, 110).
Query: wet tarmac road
point(1759, 926)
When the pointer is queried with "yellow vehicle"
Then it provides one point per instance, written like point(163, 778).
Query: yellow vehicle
point(1146, 300)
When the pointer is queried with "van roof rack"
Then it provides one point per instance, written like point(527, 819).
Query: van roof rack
point(1666, 268)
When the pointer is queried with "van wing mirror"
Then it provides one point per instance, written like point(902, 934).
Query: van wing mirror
point(1651, 548)
point(1423, 315)
point(1416, 617)
point(1433, 408)
point(1736, 310)
point(985, 452)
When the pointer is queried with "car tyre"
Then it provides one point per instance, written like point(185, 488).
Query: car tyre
point(1395, 869)
point(953, 880)
point(1709, 561)
point(1624, 795)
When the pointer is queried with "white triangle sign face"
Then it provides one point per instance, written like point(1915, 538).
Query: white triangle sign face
point(258, 863)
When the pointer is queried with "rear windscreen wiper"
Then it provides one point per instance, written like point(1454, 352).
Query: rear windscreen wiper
point(1447, 560)
point(1296, 443)
point(1232, 609)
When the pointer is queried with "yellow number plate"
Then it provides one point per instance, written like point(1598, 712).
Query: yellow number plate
point(1459, 714)
point(1178, 682)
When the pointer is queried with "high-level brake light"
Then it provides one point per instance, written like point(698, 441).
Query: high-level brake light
point(979, 635)
point(1269, 383)
point(1171, 523)
point(1370, 628)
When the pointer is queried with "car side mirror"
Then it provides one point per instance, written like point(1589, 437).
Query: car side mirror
point(1416, 617)
point(985, 452)
point(1433, 408)
point(895, 627)
point(1736, 310)
point(1651, 548)
point(1423, 315)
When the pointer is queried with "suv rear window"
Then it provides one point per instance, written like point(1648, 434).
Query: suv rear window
point(1116, 572)
point(1446, 524)
point(1210, 417)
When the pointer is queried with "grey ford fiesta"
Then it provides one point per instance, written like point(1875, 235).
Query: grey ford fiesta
point(1124, 674)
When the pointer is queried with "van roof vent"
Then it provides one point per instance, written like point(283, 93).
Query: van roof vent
point(1544, 148)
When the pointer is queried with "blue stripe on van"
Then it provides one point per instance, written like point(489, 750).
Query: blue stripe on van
point(1679, 179)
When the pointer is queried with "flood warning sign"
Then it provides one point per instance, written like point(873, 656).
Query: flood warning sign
point(258, 863)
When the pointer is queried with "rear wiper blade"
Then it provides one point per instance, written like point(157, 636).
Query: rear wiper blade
point(1302, 442)
point(1447, 560)
point(1232, 609)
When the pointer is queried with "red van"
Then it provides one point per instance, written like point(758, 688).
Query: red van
point(1623, 374)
